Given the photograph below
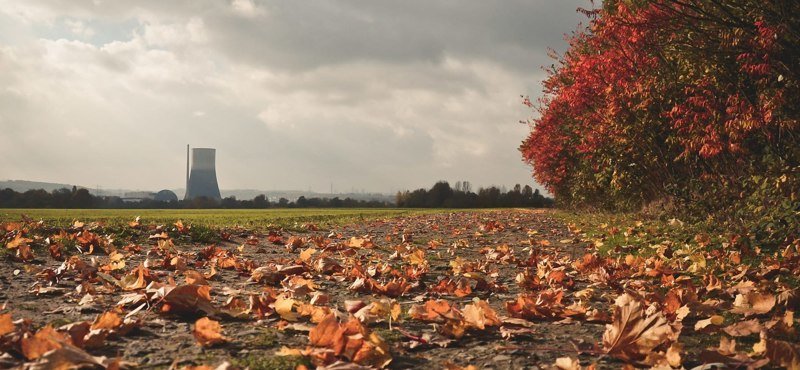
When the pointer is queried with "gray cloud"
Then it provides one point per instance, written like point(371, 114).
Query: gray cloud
point(376, 95)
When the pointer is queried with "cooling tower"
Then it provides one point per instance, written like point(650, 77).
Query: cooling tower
point(203, 175)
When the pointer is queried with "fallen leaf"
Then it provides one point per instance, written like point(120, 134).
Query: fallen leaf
point(479, 315)
point(107, 320)
point(190, 299)
point(753, 303)
point(70, 357)
point(208, 332)
point(6, 324)
point(634, 332)
point(711, 322)
point(286, 308)
point(194, 277)
point(45, 340)
point(743, 328)
point(782, 353)
point(568, 363)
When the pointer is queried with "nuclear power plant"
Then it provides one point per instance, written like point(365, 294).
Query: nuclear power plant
point(201, 180)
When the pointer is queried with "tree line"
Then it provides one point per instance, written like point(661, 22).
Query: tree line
point(81, 198)
point(442, 195)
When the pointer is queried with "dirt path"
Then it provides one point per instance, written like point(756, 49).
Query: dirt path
point(490, 246)
point(495, 289)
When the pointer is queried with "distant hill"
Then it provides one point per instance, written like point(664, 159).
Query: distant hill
point(292, 195)
point(23, 185)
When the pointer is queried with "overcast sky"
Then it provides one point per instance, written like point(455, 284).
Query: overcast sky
point(373, 95)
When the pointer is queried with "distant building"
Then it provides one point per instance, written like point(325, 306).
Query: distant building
point(201, 180)
point(138, 196)
point(166, 196)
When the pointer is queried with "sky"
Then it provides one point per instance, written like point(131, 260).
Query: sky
point(372, 95)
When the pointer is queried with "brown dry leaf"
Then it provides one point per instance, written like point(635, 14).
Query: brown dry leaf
point(324, 334)
point(286, 308)
point(375, 311)
point(181, 229)
point(45, 340)
point(69, 357)
point(135, 280)
point(712, 322)
point(25, 253)
point(432, 310)
point(6, 324)
point(208, 332)
point(305, 255)
point(189, 299)
point(674, 355)
point(459, 287)
point(356, 242)
point(479, 315)
point(416, 257)
point(373, 352)
point(782, 353)
point(350, 340)
point(547, 304)
point(744, 328)
point(116, 261)
point(194, 277)
point(135, 223)
point(393, 288)
point(634, 332)
point(298, 285)
point(753, 303)
point(294, 243)
point(315, 313)
point(567, 363)
point(18, 241)
point(107, 320)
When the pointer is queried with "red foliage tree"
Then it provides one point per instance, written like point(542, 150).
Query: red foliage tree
point(656, 97)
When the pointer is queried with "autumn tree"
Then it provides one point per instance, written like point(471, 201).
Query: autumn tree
point(671, 100)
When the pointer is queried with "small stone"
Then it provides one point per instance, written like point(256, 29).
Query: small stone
point(501, 358)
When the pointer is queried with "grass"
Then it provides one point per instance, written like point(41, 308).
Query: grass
point(248, 218)
point(263, 361)
point(629, 232)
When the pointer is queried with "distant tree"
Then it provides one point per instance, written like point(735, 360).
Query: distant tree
point(229, 202)
point(261, 201)
point(440, 192)
point(82, 199)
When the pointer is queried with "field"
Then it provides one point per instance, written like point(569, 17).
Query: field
point(399, 289)
point(247, 218)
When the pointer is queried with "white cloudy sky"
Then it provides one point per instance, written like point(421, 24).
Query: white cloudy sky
point(373, 95)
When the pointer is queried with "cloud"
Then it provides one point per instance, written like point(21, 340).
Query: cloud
point(79, 28)
point(374, 95)
point(246, 8)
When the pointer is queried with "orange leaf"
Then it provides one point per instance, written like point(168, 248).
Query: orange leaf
point(194, 277)
point(479, 315)
point(189, 299)
point(324, 334)
point(6, 324)
point(107, 320)
point(45, 340)
point(208, 332)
